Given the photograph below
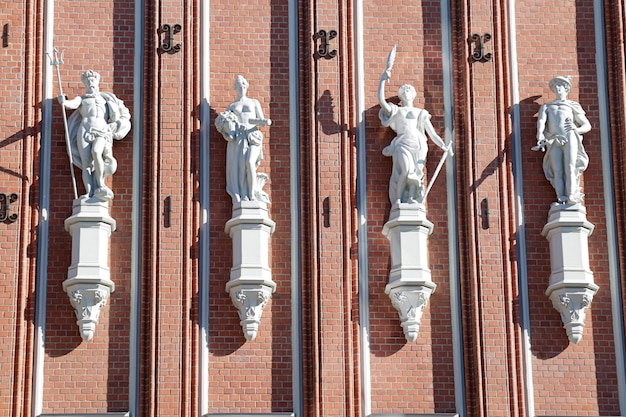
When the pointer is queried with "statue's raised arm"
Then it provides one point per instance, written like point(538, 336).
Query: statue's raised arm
point(384, 78)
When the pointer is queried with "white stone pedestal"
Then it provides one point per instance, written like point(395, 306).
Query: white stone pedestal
point(571, 286)
point(88, 282)
point(250, 285)
point(410, 285)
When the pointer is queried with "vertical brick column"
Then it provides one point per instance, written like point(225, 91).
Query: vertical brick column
point(250, 376)
point(78, 376)
point(18, 178)
point(170, 265)
point(329, 178)
point(486, 194)
point(545, 50)
point(407, 377)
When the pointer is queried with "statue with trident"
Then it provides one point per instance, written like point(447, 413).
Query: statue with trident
point(409, 148)
point(99, 118)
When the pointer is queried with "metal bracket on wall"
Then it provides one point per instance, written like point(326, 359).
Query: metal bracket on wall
point(168, 46)
point(484, 214)
point(167, 211)
point(5, 207)
point(323, 50)
point(479, 42)
point(5, 35)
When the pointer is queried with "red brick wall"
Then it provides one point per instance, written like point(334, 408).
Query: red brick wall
point(406, 377)
point(250, 40)
point(89, 376)
point(256, 376)
point(568, 379)
point(18, 167)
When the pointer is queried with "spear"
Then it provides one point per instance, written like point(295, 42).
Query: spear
point(436, 173)
point(56, 61)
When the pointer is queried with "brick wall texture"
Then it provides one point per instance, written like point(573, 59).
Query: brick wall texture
point(343, 364)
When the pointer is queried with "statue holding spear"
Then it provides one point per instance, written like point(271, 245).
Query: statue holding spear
point(89, 132)
point(56, 61)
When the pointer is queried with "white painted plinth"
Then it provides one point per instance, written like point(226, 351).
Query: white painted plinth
point(410, 285)
point(571, 287)
point(88, 282)
point(250, 285)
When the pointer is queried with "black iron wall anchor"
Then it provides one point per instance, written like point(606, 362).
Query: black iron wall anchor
point(323, 50)
point(5, 35)
point(479, 42)
point(168, 46)
point(5, 207)
point(484, 213)
point(167, 211)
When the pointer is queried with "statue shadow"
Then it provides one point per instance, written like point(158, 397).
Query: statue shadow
point(325, 115)
point(547, 336)
point(57, 215)
point(224, 334)
point(9, 209)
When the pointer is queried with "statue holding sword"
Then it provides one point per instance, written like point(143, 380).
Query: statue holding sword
point(409, 148)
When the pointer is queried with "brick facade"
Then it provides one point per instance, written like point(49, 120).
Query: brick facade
point(169, 341)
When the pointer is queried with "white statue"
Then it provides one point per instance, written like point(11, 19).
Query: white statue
point(100, 118)
point(239, 125)
point(409, 148)
point(560, 126)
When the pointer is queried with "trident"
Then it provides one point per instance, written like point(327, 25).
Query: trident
point(56, 61)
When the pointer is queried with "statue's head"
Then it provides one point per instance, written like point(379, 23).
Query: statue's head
point(91, 79)
point(241, 84)
point(407, 93)
point(560, 81)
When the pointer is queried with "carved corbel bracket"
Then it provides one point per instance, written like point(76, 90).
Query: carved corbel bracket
point(250, 285)
point(572, 303)
point(250, 299)
point(88, 299)
point(410, 301)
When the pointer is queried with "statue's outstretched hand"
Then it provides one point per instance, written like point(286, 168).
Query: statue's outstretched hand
point(449, 147)
point(541, 143)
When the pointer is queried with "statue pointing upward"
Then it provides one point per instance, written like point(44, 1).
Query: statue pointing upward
point(409, 148)
point(100, 118)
